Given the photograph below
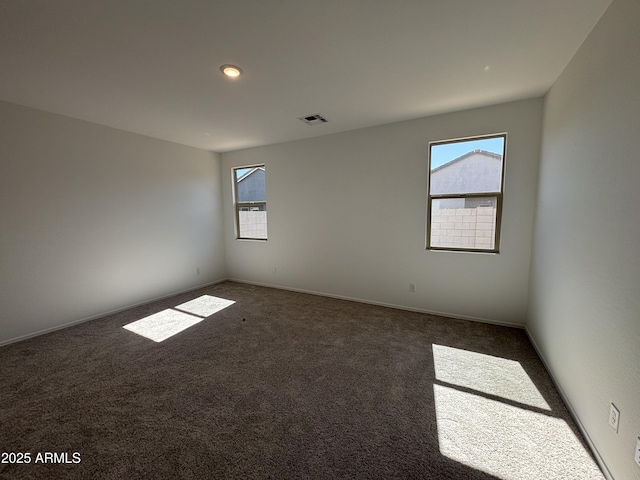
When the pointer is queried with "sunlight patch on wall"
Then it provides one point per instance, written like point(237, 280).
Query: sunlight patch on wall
point(508, 442)
point(487, 374)
point(167, 323)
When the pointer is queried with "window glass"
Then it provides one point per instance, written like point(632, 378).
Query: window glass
point(465, 193)
point(250, 202)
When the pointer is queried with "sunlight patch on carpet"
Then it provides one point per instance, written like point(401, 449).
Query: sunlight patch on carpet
point(487, 374)
point(205, 305)
point(167, 323)
point(508, 442)
point(162, 325)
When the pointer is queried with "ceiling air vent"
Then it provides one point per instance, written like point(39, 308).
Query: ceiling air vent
point(313, 119)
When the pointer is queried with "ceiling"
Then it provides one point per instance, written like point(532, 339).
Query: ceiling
point(152, 66)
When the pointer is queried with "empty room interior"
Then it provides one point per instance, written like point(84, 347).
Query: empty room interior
point(338, 239)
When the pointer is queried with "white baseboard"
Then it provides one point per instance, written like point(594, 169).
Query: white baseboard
point(381, 304)
point(280, 287)
point(104, 314)
point(581, 427)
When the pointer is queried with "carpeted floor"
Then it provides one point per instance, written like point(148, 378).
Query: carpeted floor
point(285, 385)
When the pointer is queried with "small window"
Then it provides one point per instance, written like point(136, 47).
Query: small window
point(250, 202)
point(464, 203)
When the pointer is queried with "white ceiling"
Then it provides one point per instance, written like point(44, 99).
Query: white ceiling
point(152, 66)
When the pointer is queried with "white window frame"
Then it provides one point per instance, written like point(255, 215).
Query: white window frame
point(498, 195)
point(246, 206)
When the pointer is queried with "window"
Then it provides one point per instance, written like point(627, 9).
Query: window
point(464, 203)
point(250, 202)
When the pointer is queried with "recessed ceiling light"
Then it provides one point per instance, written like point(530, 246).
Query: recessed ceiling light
point(231, 71)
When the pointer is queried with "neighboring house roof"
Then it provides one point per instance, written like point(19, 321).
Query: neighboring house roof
point(467, 155)
point(251, 186)
point(474, 172)
point(249, 173)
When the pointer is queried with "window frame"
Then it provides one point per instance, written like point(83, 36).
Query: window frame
point(498, 195)
point(248, 205)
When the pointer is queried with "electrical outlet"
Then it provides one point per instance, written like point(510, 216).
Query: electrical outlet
point(412, 287)
point(274, 270)
point(637, 455)
point(614, 417)
point(197, 271)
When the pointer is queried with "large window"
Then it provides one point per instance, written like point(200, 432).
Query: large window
point(464, 204)
point(251, 202)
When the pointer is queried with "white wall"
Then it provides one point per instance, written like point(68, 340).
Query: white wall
point(585, 284)
point(346, 217)
point(93, 219)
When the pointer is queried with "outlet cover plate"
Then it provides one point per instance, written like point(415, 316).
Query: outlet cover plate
point(614, 417)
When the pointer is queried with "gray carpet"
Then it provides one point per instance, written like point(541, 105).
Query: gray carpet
point(286, 385)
